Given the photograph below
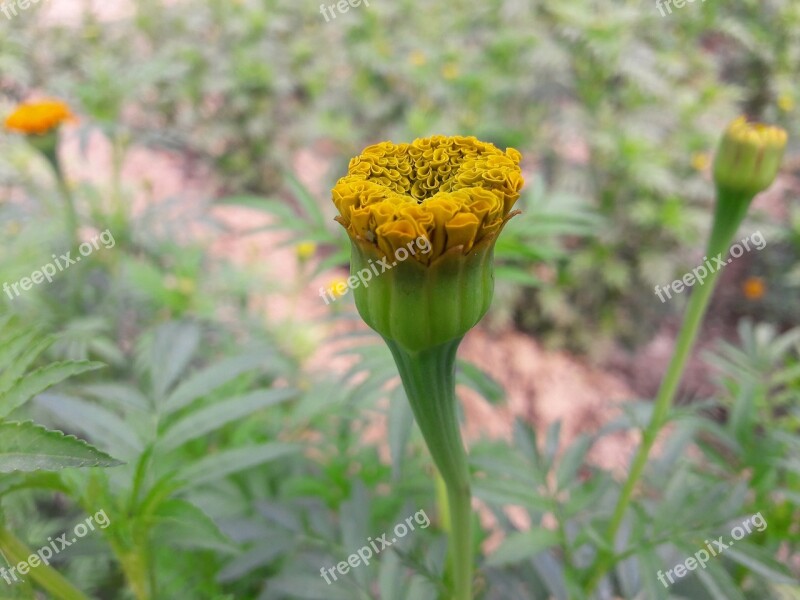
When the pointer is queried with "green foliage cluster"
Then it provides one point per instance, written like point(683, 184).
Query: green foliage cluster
point(613, 103)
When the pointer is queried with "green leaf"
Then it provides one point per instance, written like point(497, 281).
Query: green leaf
point(120, 395)
point(501, 492)
point(310, 205)
point(206, 381)
point(228, 462)
point(19, 355)
point(307, 587)
point(401, 423)
point(99, 424)
point(571, 461)
point(474, 377)
point(649, 566)
point(30, 447)
point(759, 561)
point(173, 348)
point(181, 524)
point(267, 550)
point(522, 545)
point(39, 380)
point(217, 415)
point(718, 583)
point(391, 578)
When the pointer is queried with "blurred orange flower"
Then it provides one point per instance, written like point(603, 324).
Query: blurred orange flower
point(754, 288)
point(38, 118)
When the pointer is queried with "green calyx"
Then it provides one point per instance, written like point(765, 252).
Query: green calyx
point(422, 306)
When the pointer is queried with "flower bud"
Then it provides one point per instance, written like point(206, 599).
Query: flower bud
point(749, 157)
point(423, 219)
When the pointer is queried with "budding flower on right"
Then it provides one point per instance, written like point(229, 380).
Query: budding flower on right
point(749, 157)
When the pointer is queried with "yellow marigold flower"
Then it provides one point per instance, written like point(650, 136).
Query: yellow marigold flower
point(754, 288)
point(456, 192)
point(305, 250)
point(417, 58)
point(38, 118)
point(749, 156)
point(786, 102)
point(700, 161)
point(450, 71)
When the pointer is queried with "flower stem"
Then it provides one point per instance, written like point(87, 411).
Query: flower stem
point(726, 222)
point(429, 381)
point(45, 576)
point(71, 221)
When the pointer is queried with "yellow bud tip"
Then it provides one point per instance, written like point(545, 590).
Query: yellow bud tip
point(749, 156)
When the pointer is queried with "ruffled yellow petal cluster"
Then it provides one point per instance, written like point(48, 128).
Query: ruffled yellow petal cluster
point(454, 191)
point(38, 118)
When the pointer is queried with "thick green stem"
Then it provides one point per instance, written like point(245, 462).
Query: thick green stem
point(429, 381)
point(45, 576)
point(731, 210)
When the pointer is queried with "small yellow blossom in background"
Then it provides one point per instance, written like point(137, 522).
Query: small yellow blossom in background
point(38, 118)
point(336, 285)
point(417, 58)
point(450, 71)
point(183, 285)
point(701, 161)
point(754, 288)
point(305, 250)
point(455, 192)
point(786, 102)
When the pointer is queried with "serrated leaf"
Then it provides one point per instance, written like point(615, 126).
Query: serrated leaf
point(39, 380)
point(31, 447)
point(217, 415)
point(18, 355)
point(228, 462)
point(522, 545)
point(181, 524)
point(472, 376)
point(718, 583)
point(264, 552)
point(122, 396)
point(99, 424)
point(759, 561)
point(571, 460)
point(172, 350)
point(209, 379)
